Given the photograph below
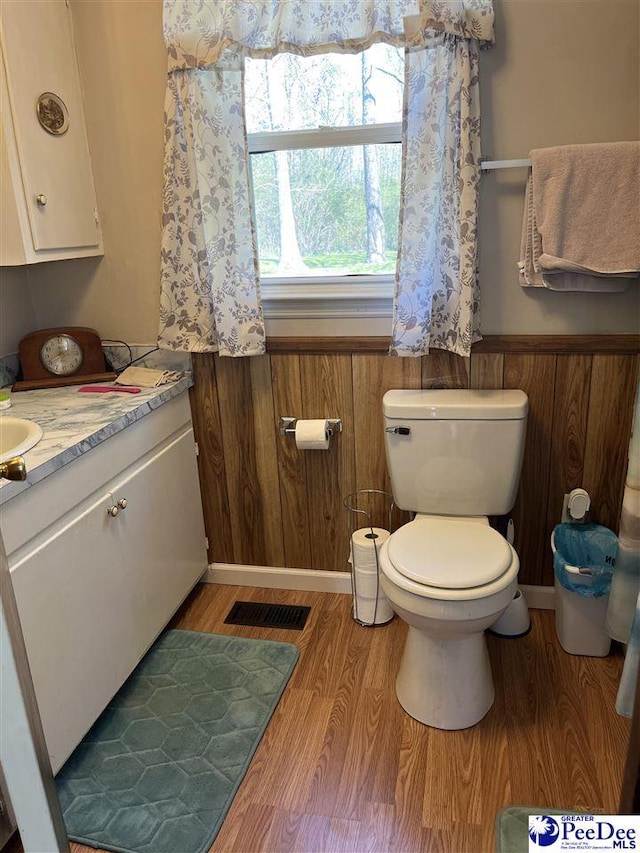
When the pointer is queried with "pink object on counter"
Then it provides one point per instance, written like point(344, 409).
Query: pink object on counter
point(105, 389)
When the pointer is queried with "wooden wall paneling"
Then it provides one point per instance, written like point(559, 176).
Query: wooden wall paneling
point(267, 458)
point(373, 375)
point(442, 369)
point(487, 370)
point(292, 468)
point(533, 344)
point(559, 344)
point(211, 461)
point(266, 503)
point(239, 442)
point(323, 345)
point(327, 392)
point(613, 387)
point(534, 374)
point(568, 440)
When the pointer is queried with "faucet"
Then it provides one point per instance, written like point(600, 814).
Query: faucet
point(13, 469)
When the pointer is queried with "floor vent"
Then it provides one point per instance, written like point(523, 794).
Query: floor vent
point(268, 615)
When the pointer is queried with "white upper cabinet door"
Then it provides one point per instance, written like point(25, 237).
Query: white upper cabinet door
point(51, 175)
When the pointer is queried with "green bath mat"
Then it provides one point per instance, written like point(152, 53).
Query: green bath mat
point(159, 769)
point(512, 827)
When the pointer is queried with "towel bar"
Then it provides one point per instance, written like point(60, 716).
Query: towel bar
point(490, 165)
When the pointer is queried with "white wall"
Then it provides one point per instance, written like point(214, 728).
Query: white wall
point(561, 72)
point(122, 64)
point(17, 316)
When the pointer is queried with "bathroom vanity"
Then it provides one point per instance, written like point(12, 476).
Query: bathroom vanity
point(104, 540)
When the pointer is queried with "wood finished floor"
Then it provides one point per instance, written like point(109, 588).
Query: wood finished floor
point(342, 768)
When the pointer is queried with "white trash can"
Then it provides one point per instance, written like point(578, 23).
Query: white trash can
point(580, 619)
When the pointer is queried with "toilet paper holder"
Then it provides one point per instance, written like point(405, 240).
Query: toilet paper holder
point(288, 426)
point(352, 502)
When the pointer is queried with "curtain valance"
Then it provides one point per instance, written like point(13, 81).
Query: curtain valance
point(467, 19)
point(198, 31)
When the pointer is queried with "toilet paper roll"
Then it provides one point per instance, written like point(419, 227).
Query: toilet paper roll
point(312, 435)
point(368, 585)
point(368, 613)
point(370, 604)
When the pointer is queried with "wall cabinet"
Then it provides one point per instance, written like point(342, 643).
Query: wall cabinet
point(96, 587)
point(48, 207)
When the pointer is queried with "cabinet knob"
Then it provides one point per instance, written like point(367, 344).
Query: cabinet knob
point(122, 503)
point(41, 199)
point(113, 511)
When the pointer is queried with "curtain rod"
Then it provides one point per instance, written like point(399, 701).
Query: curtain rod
point(489, 165)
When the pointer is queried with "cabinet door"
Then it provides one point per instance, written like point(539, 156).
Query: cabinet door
point(69, 590)
point(39, 57)
point(94, 592)
point(160, 536)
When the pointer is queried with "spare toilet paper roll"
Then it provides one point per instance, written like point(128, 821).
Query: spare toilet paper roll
point(312, 435)
point(370, 604)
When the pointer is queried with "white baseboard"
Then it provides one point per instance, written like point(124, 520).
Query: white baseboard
point(315, 580)
point(539, 597)
point(270, 577)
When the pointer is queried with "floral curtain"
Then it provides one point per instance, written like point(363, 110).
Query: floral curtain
point(209, 282)
point(436, 294)
point(210, 296)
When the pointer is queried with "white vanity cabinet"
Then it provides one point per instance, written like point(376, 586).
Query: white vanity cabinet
point(48, 206)
point(96, 586)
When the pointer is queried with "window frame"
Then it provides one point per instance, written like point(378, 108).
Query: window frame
point(326, 297)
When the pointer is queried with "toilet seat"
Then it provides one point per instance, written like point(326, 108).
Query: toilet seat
point(449, 553)
point(491, 568)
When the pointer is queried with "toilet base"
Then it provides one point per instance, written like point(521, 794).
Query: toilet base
point(445, 683)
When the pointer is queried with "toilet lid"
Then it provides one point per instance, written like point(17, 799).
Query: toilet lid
point(448, 553)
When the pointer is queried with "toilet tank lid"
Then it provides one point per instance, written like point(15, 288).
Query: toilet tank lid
point(456, 404)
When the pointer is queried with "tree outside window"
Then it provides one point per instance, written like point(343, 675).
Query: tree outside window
point(323, 206)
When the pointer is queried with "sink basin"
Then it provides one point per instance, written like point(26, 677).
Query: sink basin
point(17, 435)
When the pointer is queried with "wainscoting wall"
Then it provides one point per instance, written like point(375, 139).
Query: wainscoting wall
point(268, 504)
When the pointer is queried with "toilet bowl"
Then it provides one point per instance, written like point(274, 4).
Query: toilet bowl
point(449, 578)
point(454, 459)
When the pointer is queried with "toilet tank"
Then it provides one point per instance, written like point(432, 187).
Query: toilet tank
point(455, 452)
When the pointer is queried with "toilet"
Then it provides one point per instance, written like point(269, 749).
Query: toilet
point(454, 458)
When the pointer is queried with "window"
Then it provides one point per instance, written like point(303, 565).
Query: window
point(325, 144)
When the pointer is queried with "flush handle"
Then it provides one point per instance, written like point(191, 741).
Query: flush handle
point(399, 430)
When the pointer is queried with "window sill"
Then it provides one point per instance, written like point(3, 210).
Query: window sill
point(322, 298)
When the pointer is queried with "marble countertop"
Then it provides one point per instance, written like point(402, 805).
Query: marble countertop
point(73, 422)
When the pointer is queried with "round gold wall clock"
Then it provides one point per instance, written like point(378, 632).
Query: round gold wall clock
point(52, 113)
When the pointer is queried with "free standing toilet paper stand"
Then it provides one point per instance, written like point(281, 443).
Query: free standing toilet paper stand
point(381, 610)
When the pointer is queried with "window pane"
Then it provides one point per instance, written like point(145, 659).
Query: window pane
point(316, 214)
point(333, 90)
